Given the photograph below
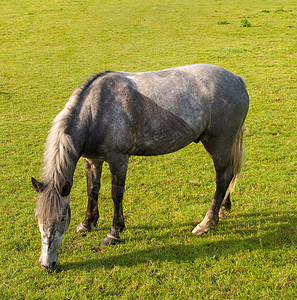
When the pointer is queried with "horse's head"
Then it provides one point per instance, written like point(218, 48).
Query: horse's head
point(53, 212)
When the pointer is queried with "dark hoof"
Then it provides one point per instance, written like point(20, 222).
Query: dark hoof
point(110, 240)
point(82, 228)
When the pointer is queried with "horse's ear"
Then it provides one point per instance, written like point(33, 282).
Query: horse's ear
point(38, 186)
point(65, 188)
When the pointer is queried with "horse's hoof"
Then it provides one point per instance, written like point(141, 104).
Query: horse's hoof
point(199, 229)
point(110, 240)
point(82, 228)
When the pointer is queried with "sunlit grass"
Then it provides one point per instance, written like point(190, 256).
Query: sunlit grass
point(48, 48)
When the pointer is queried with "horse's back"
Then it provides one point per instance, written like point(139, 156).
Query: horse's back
point(194, 93)
point(159, 112)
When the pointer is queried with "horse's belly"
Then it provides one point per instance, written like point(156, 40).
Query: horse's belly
point(162, 134)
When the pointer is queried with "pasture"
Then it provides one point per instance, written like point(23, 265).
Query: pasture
point(48, 48)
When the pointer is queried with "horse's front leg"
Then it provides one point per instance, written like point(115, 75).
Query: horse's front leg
point(93, 170)
point(118, 164)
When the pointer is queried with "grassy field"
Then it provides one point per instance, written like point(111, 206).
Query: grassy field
point(48, 48)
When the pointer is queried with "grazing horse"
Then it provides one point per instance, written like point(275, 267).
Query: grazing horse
point(114, 115)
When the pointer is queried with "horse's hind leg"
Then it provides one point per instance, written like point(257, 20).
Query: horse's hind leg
point(118, 164)
point(221, 156)
point(226, 205)
point(93, 170)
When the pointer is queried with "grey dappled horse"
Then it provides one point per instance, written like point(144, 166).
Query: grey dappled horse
point(114, 115)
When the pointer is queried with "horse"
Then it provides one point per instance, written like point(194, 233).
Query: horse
point(114, 115)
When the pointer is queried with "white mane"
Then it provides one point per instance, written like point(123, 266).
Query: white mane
point(60, 155)
point(59, 150)
point(60, 158)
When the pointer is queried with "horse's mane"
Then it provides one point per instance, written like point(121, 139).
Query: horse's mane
point(60, 156)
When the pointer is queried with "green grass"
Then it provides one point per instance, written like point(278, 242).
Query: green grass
point(245, 23)
point(48, 48)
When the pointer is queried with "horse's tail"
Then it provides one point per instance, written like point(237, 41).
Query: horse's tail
point(237, 156)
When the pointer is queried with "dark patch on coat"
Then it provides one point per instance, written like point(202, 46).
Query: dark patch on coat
point(142, 127)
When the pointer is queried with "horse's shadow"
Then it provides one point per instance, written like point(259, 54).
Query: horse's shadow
point(248, 232)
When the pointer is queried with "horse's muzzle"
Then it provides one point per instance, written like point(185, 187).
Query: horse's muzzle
point(50, 267)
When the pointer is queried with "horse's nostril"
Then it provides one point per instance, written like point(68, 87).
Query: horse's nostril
point(51, 266)
point(45, 267)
